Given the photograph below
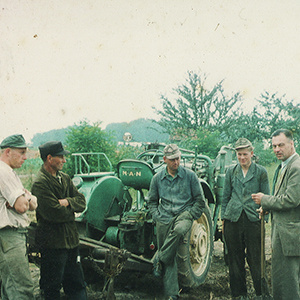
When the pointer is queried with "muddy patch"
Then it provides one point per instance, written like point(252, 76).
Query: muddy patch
point(136, 285)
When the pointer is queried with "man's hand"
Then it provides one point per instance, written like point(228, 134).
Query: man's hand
point(32, 200)
point(257, 198)
point(63, 202)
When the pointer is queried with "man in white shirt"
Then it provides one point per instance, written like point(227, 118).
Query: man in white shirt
point(15, 201)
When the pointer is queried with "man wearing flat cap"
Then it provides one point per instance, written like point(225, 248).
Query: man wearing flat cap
point(175, 200)
point(56, 232)
point(15, 201)
point(241, 221)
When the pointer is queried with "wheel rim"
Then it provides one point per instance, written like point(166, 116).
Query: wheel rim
point(200, 246)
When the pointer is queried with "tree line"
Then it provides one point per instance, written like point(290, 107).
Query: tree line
point(197, 117)
point(209, 118)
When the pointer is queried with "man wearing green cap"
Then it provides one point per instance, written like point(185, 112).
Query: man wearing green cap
point(241, 222)
point(15, 201)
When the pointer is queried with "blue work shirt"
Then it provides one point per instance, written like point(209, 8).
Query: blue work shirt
point(170, 196)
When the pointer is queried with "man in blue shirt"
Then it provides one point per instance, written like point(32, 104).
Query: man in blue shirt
point(175, 200)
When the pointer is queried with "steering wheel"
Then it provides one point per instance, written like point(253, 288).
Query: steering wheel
point(153, 153)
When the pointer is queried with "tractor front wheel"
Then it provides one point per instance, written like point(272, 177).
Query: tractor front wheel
point(194, 255)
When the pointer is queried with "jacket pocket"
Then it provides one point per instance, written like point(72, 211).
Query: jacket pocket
point(289, 234)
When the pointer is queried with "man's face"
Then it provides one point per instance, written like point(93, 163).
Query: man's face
point(17, 156)
point(172, 164)
point(57, 162)
point(244, 157)
point(282, 147)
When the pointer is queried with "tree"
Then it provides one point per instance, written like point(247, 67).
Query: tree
point(207, 143)
point(244, 125)
point(274, 112)
point(197, 107)
point(84, 137)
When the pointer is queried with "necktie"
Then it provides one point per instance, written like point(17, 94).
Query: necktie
point(279, 177)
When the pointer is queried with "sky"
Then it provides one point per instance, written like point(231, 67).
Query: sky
point(109, 61)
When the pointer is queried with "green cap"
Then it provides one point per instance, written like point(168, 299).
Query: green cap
point(242, 143)
point(14, 141)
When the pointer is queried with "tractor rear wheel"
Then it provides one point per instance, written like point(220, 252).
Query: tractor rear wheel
point(194, 255)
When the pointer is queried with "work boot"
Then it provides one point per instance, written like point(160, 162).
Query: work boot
point(157, 268)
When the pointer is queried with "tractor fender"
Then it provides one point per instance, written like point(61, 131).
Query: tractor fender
point(207, 191)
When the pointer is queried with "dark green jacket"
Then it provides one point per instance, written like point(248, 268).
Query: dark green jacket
point(56, 227)
point(238, 190)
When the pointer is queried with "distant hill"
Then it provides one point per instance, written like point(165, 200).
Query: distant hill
point(52, 135)
point(142, 130)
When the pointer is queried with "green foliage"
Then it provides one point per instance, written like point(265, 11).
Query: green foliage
point(125, 152)
point(264, 154)
point(31, 165)
point(28, 171)
point(276, 112)
point(84, 137)
point(196, 107)
point(207, 143)
point(196, 111)
point(244, 125)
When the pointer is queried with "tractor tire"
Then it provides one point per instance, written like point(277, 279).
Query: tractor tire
point(195, 253)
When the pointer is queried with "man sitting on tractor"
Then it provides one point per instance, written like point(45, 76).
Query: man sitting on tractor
point(175, 200)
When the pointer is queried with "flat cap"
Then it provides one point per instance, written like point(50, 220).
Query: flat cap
point(13, 141)
point(53, 148)
point(172, 151)
point(242, 143)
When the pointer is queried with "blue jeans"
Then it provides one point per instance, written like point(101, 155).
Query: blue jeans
point(62, 268)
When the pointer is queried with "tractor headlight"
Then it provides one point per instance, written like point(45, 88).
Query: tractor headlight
point(77, 181)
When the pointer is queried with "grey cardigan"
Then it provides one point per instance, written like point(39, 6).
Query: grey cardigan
point(238, 190)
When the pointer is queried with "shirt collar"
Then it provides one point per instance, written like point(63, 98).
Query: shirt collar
point(166, 174)
point(285, 163)
point(5, 165)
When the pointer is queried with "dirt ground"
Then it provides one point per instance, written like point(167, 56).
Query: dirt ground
point(140, 286)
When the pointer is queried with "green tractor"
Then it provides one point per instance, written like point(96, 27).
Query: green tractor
point(116, 229)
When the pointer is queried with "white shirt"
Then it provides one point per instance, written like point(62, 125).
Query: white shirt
point(11, 188)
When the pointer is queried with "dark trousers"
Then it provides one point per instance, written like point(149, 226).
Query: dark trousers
point(243, 240)
point(62, 268)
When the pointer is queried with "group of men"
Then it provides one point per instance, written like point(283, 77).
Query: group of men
point(56, 200)
point(175, 200)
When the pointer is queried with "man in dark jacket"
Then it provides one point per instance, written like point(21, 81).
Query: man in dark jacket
point(57, 235)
